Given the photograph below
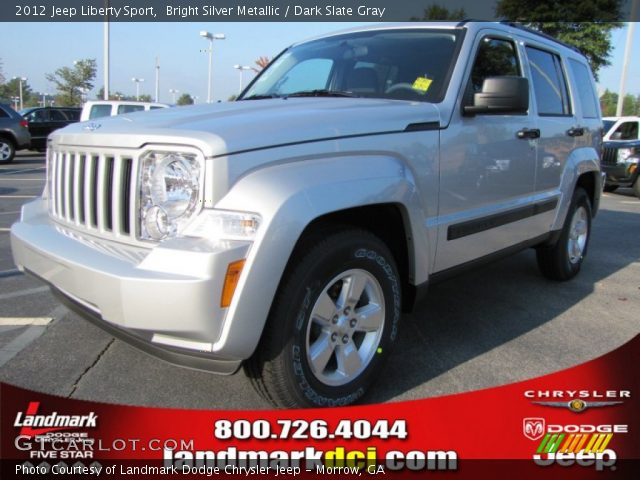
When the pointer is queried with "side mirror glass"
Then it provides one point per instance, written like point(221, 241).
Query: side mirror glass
point(507, 94)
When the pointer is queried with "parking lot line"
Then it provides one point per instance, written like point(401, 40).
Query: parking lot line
point(2, 229)
point(22, 179)
point(11, 349)
point(18, 196)
point(13, 172)
point(20, 321)
point(23, 293)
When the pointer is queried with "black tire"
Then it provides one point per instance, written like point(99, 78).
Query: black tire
point(636, 187)
point(7, 150)
point(610, 188)
point(280, 369)
point(555, 261)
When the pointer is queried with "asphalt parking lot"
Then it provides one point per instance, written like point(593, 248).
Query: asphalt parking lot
point(492, 326)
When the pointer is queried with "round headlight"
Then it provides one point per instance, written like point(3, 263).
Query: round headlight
point(174, 186)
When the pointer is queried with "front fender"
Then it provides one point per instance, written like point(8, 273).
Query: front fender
point(579, 162)
point(289, 197)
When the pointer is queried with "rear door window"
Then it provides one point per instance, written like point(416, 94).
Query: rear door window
point(549, 85)
point(129, 108)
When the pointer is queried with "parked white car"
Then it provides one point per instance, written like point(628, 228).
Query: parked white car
point(110, 108)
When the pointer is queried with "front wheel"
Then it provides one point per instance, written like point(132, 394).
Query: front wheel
point(332, 324)
point(562, 260)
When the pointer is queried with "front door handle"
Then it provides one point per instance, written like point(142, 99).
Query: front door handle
point(575, 132)
point(528, 133)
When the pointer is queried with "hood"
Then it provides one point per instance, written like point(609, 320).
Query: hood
point(226, 128)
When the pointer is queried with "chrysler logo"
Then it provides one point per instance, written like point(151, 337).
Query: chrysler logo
point(92, 127)
point(533, 428)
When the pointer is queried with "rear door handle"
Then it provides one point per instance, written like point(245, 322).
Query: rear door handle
point(528, 133)
point(575, 132)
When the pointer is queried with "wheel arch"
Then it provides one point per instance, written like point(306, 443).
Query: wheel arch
point(388, 221)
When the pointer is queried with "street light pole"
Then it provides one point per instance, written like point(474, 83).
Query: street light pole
point(20, 80)
point(157, 81)
point(105, 51)
point(627, 54)
point(211, 37)
point(240, 69)
point(137, 82)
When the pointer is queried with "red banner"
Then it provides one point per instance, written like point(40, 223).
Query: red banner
point(578, 423)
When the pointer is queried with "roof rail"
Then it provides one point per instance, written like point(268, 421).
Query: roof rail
point(541, 34)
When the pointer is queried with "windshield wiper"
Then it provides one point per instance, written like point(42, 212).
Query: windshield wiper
point(321, 93)
point(260, 97)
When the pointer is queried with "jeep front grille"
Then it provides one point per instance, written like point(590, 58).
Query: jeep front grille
point(609, 156)
point(94, 191)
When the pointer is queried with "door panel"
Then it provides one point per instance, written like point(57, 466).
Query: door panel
point(487, 171)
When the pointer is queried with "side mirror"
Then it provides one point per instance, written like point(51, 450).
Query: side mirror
point(501, 95)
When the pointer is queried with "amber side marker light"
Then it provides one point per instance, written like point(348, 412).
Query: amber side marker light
point(231, 282)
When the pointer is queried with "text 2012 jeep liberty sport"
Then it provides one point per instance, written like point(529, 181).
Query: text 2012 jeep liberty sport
point(287, 231)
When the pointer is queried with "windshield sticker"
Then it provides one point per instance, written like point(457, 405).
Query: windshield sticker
point(422, 84)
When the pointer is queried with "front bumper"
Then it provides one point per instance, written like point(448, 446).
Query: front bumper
point(621, 174)
point(163, 300)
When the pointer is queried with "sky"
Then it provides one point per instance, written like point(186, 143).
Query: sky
point(33, 49)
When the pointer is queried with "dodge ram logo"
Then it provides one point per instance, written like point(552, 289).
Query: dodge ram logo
point(92, 127)
point(533, 428)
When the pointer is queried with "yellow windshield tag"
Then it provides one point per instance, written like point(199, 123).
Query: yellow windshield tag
point(422, 84)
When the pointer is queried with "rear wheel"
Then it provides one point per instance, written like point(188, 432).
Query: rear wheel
point(332, 323)
point(562, 260)
point(7, 150)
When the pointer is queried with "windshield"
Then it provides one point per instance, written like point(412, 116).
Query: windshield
point(401, 64)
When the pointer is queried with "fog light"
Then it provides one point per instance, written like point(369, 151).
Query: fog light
point(157, 222)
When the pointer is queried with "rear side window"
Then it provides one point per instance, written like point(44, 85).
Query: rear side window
point(129, 108)
point(155, 108)
point(98, 111)
point(72, 114)
point(586, 94)
point(549, 84)
point(3, 114)
point(57, 116)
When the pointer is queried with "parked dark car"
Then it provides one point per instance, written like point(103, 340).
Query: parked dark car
point(621, 163)
point(621, 154)
point(14, 134)
point(44, 120)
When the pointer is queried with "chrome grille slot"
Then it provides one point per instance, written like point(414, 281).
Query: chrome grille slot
point(609, 156)
point(94, 191)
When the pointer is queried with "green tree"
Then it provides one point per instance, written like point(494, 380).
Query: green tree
point(72, 81)
point(609, 104)
point(1, 74)
point(11, 89)
point(185, 99)
point(438, 12)
point(586, 24)
point(145, 97)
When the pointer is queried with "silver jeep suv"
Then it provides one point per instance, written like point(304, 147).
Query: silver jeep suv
point(287, 231)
